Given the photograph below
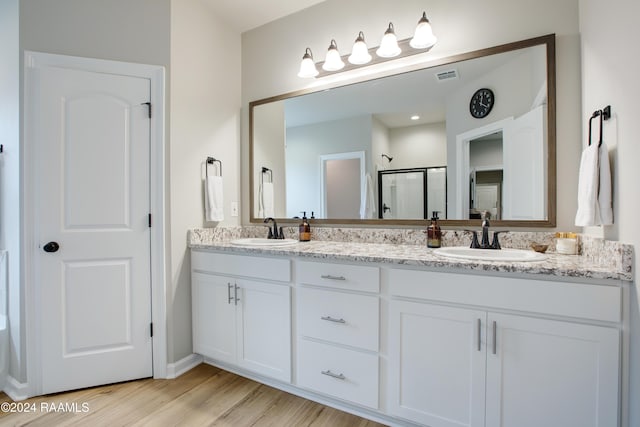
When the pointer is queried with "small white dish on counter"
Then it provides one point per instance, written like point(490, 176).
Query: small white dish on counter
point(502, 255)
point(261, 241)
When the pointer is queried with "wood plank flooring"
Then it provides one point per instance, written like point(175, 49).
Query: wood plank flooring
point(204, 396)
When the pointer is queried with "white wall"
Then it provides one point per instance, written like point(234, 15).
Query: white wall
point(268, 151)
point(610, 77)
point(10, 167)
point(271, 54)
point(205, 121)
point(305, 144)
point(418, 146)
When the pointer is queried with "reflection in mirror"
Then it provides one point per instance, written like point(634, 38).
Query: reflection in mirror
point(412, 193)
point(502, 163)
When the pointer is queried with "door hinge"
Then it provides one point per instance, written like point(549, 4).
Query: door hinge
point(149, 105)
point(149, 220)
point(151, 329)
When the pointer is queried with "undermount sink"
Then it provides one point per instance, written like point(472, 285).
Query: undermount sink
point(262, 241)
point(513, 255)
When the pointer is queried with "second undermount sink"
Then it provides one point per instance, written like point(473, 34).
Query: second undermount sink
point(510, 255)
point(261, 241)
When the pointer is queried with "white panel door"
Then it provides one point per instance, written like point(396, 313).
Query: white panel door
point(550, 373)
point(92, 141)
point(264, 328)
point(525, 169)
point(437, 358)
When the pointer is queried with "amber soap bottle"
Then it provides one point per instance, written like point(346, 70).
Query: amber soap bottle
point(434, 233)
point(304, 229)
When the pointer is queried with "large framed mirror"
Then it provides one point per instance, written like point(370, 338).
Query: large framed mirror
point(484, 120)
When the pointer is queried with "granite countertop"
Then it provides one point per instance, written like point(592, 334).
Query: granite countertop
point(578, 266)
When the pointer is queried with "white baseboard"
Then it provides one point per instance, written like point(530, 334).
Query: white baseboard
point(16, 390)
point(174, 370)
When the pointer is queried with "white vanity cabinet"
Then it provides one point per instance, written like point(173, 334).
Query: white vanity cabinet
point(338, 318)
point(455, 360)
point(239, 320)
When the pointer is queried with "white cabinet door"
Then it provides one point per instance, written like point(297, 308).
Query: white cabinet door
point(551, 373)
point(214, 319)
point(437, 359)
point(264, 328)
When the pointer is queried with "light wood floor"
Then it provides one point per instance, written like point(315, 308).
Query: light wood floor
point(204, 396)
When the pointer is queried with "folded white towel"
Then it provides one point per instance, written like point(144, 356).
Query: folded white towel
point(267, 208)
point(213, 199)
point(605, 206)
point(594, 188)
point(367, 203)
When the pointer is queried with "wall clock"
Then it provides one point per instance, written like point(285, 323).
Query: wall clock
point(481, 103)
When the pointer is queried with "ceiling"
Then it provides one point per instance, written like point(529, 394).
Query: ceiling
point(244, 15)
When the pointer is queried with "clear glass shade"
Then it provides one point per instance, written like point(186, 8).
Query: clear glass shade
point(423, 38)
point(389, 44)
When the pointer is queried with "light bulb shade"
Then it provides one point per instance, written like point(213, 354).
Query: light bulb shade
point(333, 62)
point(389, 44)
point(307, 66)
point(360, 52)
point(423, 38)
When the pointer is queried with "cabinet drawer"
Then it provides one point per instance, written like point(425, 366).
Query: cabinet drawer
point(241, 265)
point(339, 317)
point(341, 276)
point(345, 374)
point(589, 301)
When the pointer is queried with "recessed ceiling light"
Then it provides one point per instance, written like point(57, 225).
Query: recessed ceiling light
point(415, 117)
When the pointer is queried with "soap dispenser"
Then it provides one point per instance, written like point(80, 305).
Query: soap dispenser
point(305, 229)
point(434, 234)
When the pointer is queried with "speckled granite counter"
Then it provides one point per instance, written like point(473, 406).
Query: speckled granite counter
point(600, 260)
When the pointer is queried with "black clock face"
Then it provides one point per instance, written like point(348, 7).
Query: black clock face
point(481, 103)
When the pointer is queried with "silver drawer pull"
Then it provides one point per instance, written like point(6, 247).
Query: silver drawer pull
point(330, 277)
point(332, 375)
point(331, 319)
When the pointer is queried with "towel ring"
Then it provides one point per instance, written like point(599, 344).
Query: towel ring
point(266, 170)
point(604, 114)
point(211, 161)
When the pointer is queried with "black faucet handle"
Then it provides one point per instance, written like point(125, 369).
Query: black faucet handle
point(475, 244)
point(495, 244)
point(281, 234)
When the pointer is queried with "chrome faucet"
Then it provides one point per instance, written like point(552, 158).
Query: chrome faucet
point(274, 234)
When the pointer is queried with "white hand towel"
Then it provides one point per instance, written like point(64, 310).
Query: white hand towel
point(588, 187)
point(594, 188)
point(213, 199)
point(367, 204)
point(605, 208)
point(267, 200)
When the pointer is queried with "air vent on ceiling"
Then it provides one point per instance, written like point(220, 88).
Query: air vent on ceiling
point(447, 75)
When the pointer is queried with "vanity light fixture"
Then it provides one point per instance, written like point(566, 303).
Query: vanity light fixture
point(423, 38)
point(333, 61)
point(415, 117)
point(307, 66)
point(389, 44)
point(360, 52)
point(389, 48)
